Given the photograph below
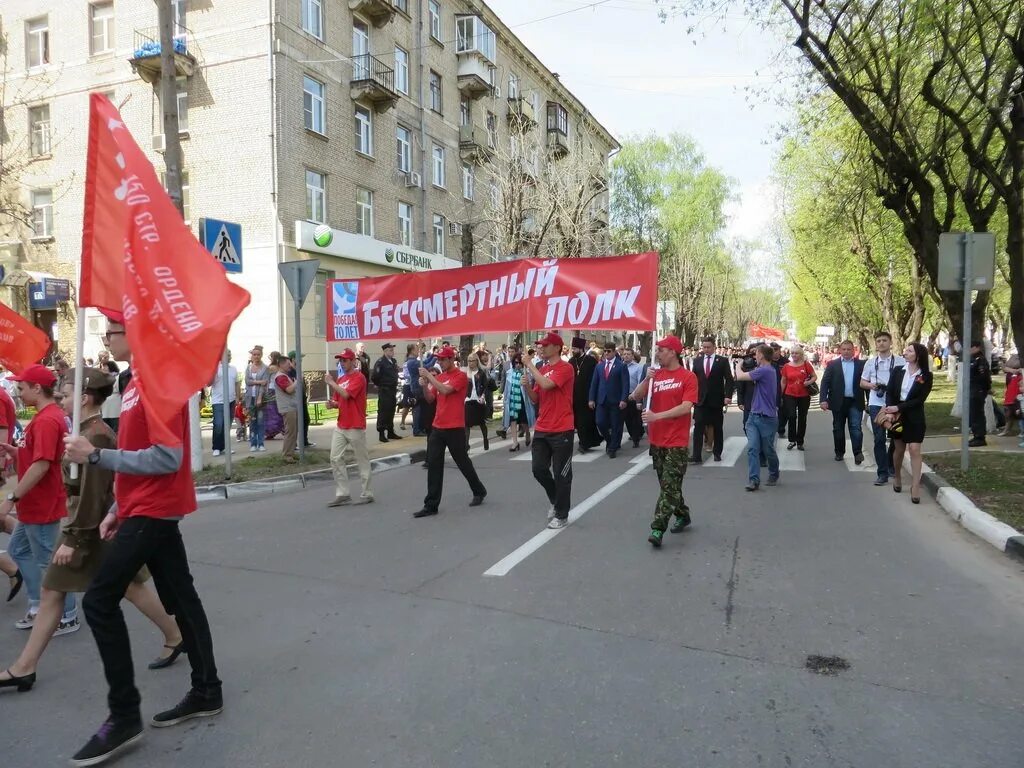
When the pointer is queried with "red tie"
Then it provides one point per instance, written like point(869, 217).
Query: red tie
point(707, 367)
point(607, 370)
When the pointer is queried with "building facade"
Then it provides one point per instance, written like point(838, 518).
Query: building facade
point(422, 133)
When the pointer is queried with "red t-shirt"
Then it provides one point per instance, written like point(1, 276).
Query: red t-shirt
point(451, 409)
point(47, 502)
point(555, 405)
point(669, 389)
point(352, 409)
point(1012, 389)
point(159, 496)
point(793, 378)
point(8, 415)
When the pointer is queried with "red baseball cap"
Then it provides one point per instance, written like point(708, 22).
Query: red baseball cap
point(551, 338)
point(346, 354)
point(445, 353)
point(36, 374)
point(673, 343)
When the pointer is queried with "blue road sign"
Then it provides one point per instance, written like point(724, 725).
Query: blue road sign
point(223, 239)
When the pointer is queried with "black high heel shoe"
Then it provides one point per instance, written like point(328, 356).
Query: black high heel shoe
point(897, 488)
point(16, 582)
point(164, 663)
point(23, 683)
point(513, 449)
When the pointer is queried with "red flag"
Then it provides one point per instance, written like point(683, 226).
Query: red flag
point(139, 258)
point(758, 331)
point(21, 343)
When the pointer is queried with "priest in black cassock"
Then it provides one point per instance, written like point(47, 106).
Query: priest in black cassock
point(586, 423)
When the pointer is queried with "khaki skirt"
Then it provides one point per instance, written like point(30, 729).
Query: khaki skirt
point(85, 563)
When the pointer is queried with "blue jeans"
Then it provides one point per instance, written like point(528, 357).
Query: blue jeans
point(761, 433)
point(883, 458)
point(852, 416)
point(31, 548)
point(257, 427)
point(219, 439)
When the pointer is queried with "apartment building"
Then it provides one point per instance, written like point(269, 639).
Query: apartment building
point(378, 136)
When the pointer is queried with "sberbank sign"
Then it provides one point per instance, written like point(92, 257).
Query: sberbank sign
point(407, 259)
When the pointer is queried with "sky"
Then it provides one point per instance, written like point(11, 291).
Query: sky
point(638, 76)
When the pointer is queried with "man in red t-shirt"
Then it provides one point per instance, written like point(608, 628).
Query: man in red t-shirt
point(674, 390)
point(350, 400)
point(448, 390)
point(39, 495)
point(553, 432)
point(153, 491)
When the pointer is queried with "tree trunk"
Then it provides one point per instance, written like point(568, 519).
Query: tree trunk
point(1015, 222)
point(466, 340)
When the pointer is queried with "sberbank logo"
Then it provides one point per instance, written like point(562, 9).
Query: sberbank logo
point(389, 255)
point(408, 259)
point(323, 235)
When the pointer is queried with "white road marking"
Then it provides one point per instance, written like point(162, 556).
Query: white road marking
point(791, 461)
point(732, 449)
point(506, 564)
point(868, 465)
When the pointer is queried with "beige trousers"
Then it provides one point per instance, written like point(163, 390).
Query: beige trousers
point(291, 432)
point(342, 440)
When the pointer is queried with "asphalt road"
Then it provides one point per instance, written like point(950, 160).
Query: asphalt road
point(361, 637)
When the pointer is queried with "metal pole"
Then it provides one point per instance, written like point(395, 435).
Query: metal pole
point(228, 417)
point(965, 345)
point(76, 418)
point(298, 380)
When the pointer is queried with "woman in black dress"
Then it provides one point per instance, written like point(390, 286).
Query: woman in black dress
point(908, 388)
point(476, 399)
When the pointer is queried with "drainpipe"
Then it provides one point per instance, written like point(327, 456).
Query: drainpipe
point(424, 155)
point(275, 194)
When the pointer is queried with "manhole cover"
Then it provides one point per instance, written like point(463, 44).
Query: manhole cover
point(826, 665)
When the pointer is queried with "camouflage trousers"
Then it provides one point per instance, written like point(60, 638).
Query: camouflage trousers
point(670, 465)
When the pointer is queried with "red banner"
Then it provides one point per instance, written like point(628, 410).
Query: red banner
point(139, 258)
point(758, 331)
point(616, 293)
point(21, 343)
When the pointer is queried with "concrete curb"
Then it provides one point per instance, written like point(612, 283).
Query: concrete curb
point(290, 483)
point(983, 525)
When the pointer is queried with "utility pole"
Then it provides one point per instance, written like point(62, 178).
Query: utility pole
point(466, 340)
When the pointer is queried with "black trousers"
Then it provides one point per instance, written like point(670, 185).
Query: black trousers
point(305, 417)
point(704, 416)
point(157, 544)
point(634, 424)
point(455, 441)
point(387, 401)
point(586, 425)
point(977, 417)
point(796, 417)
point(552, 466)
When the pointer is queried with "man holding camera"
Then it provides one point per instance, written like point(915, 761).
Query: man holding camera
point(875, 379)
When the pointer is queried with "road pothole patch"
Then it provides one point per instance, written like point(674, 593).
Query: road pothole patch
point(826, 665)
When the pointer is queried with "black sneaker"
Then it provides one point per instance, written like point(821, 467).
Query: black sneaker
point(682, 521)
point(110, 740)
point(193, 705)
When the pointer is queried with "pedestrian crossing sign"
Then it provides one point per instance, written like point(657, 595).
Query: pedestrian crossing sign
point(223, 239)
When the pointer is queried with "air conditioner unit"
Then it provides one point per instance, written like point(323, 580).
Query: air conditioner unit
point(159, 142)
point(413, 179)
point(497, 91)
point(454, 229)
point(96, 325)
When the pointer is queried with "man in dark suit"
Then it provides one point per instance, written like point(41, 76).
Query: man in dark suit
point(841, 394)
point(608, 392)
point(714, 392)
point(584, 364)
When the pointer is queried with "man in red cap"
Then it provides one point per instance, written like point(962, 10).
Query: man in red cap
point(448, 390)
point(350, 398)
point(553, 432)
point(673, 393)
point(39, 495)
point(153, 491)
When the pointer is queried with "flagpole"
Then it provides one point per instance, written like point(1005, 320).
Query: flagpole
point(76, 418)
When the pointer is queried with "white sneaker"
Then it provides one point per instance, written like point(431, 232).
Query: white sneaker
point(27, 622)
point(67, 627)
point(216, 453)
point(262, 449)
point(557, 522)
point(551, 513)
point(252, 449)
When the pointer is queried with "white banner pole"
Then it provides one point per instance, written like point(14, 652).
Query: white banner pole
point(76, 418)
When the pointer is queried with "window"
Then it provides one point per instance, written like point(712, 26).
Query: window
point(313, 18)
point(438, 155)
point(439, 227)
point(319, 302)
point(435, 91)
point(465, 111)
point(558, 118)
point(404, 149)
point(467, 181)
point(360, 51)
point(39, 130)
point(405, 223)
point(402, 5)
point(492, 246)
point(435, 19)
point(101, 27)
point(316, 197)
point(364, 131)
point(182, 83)
point(492, 130)
point(313, 105)
point(473, 36)
point(178, 16)
point(402, 70)
point(513, 85)
point(37, 44)
point(364, 212)
point(495, 197)
point(42, 213)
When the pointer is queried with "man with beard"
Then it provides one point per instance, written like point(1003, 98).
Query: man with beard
point(583, 365)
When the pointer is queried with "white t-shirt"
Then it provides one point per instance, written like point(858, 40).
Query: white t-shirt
point(878, 371)
point(908, 382)
point(217, 388)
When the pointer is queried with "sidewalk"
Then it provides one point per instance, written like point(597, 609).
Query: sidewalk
point(947, 443)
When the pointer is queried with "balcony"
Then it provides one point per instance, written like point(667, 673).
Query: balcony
point(599, 183)
point(379, 12)
point(598, 219)
point(473, 145)
point(374, 82)
point(474, 76)
point(521, 114)
point(558, 144)
point(145, 58)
